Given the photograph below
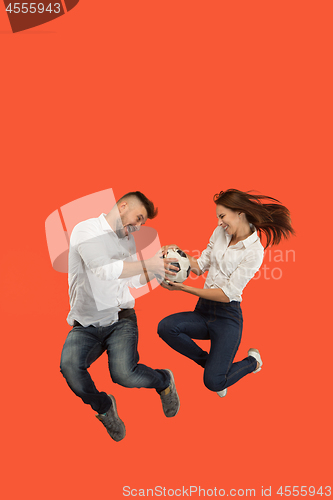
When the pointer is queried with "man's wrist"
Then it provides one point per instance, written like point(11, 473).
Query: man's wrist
point(147, 266)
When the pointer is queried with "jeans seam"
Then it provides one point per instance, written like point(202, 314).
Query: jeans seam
point(240, 370)
point(86, 366)
point(235, 351)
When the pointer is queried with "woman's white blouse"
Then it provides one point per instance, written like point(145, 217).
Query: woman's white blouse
point(231, 267)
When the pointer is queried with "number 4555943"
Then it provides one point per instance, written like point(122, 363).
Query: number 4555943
point(304, 491)
point(32, 8)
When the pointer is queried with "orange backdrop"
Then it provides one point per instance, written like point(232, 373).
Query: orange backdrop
point(178, 99)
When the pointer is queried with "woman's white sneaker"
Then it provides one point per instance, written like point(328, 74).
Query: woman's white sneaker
point(256, 355)
point(222, 393)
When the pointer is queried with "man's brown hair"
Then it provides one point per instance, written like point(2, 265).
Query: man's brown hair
point(148, 204)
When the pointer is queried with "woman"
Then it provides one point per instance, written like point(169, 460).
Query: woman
point(233, 255)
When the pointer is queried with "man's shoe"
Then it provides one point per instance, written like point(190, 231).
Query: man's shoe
point(255, 354)
point(170, 398)
point(114, 425)
point(222, 393)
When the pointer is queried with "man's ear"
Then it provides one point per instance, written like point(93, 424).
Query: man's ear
point(122, 206)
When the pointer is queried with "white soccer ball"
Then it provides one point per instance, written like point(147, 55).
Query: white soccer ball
point(183, 264)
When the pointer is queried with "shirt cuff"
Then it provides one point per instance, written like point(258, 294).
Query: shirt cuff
point(231, 293)
point(114, 270)
point(201, 264)
point(135, 282)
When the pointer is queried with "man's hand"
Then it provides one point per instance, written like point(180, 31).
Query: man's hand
point(160, 266)
point(193, 262)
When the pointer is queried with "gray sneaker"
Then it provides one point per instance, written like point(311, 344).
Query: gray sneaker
point(170, 398)
point(114, 425)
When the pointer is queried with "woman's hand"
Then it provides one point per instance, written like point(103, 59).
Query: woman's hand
point(171, 285)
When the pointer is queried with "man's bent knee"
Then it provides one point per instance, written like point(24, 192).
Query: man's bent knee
point(126, 378)
point(69, 370)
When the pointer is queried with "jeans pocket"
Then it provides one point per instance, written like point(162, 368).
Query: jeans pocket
point(235, 313)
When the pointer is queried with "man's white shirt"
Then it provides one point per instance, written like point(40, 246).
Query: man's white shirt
point(96, 257)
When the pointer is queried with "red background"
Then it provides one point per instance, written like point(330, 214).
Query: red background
point(178, 100)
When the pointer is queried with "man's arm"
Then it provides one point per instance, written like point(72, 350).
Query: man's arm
point(93, 250)
point(145, 277)
point(154, 265)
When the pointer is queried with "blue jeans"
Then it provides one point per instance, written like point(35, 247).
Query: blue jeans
point(85, 344)
point(222, 324)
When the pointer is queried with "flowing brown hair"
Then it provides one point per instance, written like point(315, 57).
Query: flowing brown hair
point(272, 219)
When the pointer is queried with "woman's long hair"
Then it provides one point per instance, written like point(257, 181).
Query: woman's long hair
point(272, 219)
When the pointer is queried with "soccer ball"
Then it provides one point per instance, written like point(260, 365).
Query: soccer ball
point(183, 264)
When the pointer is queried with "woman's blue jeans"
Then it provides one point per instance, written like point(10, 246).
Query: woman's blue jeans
point(85, 344)
point(222, 324)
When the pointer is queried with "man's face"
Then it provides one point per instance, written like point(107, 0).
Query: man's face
point(131, 217)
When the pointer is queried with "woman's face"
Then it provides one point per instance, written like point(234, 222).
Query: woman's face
point(228, 219)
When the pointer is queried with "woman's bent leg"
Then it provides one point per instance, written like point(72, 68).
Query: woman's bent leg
point(178, 330)
point(225, 333)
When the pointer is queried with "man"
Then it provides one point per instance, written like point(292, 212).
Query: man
point(102, 265)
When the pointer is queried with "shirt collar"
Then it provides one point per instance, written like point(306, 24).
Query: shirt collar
point(104, 224)
point(248, 241)
point(252, 238)
point(106, 227)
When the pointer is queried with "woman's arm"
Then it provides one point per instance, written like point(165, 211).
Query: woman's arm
point(204, 293)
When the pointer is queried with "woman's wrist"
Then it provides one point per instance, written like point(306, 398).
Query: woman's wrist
point(191, 289)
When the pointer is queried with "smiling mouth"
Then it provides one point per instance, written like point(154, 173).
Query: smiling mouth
point(130, 229)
